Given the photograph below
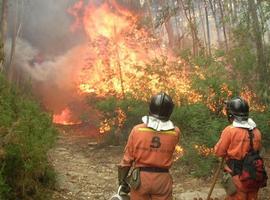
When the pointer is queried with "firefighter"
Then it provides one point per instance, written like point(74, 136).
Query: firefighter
point(148, 154)
point(233, 145)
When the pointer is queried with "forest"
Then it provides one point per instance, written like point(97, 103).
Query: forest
point(80, 64)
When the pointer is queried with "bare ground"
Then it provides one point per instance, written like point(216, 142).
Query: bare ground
point(87, 170)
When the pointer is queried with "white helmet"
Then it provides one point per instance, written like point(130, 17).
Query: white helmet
point(120, 195)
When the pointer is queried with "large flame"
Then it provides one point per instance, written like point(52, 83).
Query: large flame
point(119, 55)
point(101, 22)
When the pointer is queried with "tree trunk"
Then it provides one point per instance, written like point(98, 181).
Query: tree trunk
point(235, 11)
point(13, 43)
point(148, 6)
point(207, 28)
point(4, 18)
point(216, 19)
point(203, 27)
point(169, 29)
point(223, 25)
point(256, 29)
point(3, 33)
point(190, 16)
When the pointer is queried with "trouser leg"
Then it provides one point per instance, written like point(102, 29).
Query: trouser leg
point(154, 186)
point(240, 195)
point(138, 195)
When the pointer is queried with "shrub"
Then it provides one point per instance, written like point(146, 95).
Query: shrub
point(26, 136)
point(4, 188)
point(131, 108)
point(263, 123)
point(199, 128)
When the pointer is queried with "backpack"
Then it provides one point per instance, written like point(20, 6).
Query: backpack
point(253, 174)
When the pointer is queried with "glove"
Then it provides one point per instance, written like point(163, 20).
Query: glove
point(122, 174)
point(125, 189)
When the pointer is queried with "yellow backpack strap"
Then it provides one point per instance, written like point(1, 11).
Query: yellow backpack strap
point(169, 132)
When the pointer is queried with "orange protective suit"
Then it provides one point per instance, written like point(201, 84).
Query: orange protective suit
point(147, 147)
point(234, 143)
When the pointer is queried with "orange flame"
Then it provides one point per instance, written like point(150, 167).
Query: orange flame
point(122, 58)
point(119, 55)
point(102, 22)
point(64, 118)
point(204, 150)
point(178, 152)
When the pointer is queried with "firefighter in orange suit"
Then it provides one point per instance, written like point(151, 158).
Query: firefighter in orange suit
point(233, 145)
point(150, 149)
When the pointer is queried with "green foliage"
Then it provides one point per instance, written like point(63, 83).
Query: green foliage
point(199, 126)
point(201, 123)
point(263, 123)
point(197, 165)
point(198, 123)
point(211, 80)
point(243, 60)
point(4, 188)
point(27, 135)
point(133, 109)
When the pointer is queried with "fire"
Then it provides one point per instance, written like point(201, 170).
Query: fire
point(204, 150)
point(119, 55)
point(64, 118)
point(118, 120)
point(178, 152)
point(123, 58)
point(105, 126)
point(102, 22)
point(251, 97)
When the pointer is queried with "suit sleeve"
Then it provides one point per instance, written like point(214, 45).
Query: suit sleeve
point(223, 144)
point(128, 157)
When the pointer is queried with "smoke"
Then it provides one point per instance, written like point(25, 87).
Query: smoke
point(46, 50)
point(46, 25)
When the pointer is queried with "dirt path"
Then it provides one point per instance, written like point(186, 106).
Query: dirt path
point(88, 171)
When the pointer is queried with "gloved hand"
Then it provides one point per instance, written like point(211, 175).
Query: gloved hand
point(122, 174)
point(125, 189)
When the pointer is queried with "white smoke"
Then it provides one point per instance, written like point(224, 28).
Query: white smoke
point(55, 69)
point(47, 51)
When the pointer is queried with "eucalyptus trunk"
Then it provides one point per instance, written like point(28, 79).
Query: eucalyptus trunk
point(223, 24)
point(263, 76)
point(3, 33)
point(207, 27)
point(216, 19)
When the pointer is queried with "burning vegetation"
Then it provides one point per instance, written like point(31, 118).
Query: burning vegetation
point(113, 59)
point(121, 58)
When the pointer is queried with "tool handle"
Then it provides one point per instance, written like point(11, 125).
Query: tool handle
point(215, 179)
point(119, 189)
